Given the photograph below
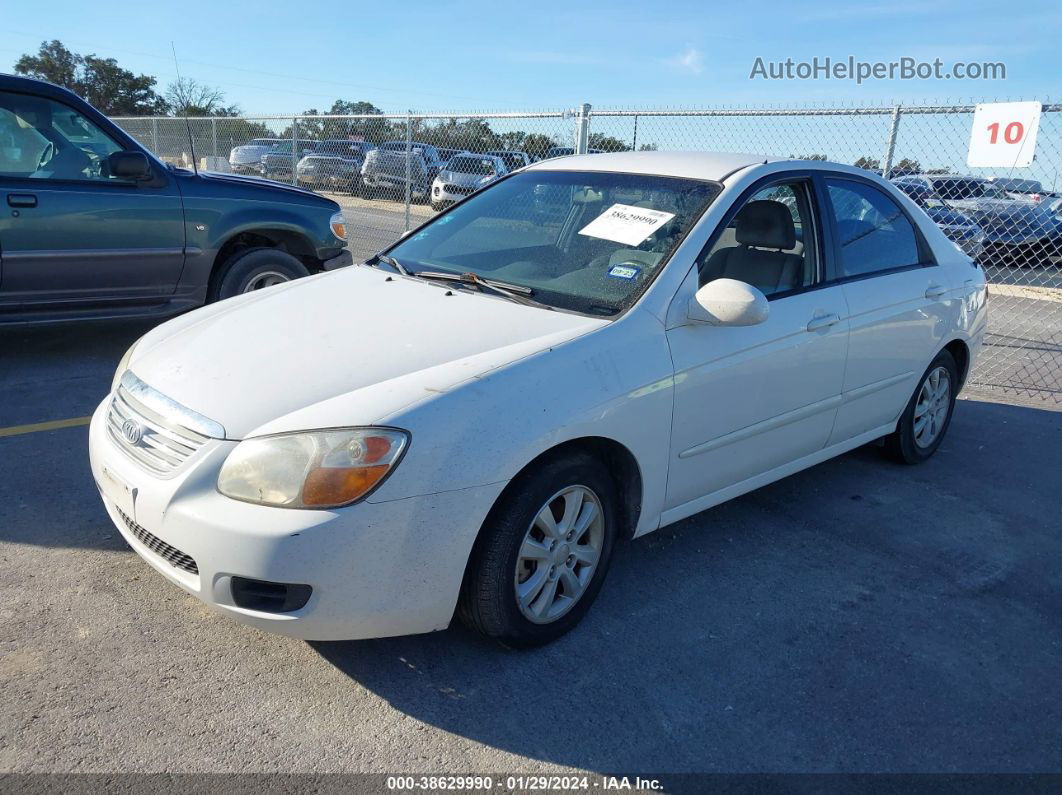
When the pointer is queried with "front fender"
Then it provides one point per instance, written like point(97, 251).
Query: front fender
point(616, 383)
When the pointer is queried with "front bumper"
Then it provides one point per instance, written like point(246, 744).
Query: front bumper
point(341, 260)
point(377, 569)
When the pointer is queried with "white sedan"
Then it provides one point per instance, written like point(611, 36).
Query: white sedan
point(591, 348)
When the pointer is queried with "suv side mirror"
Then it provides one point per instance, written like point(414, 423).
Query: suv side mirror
point(728, 302)
point(129, 165)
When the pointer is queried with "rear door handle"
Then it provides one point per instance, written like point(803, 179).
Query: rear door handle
point(823, 321)
point(935, 291)
point(21, 200)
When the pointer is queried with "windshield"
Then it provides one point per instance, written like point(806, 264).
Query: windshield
point(472, 165)
point(958, 189)
point(587, 242)
point(261, 142)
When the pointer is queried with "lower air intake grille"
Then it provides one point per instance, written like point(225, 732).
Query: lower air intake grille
point(171, 555)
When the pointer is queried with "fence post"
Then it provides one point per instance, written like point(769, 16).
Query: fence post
point(214, 133)
point(409, 163)
point(582, 129)
point(890, 146)
point(155, 136)
point(294, 145)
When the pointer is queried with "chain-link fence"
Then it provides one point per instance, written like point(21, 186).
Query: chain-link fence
point(391, 171)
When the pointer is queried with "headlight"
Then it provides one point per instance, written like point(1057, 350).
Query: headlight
point(312, 469)
point(339, 225)
point(123, 365)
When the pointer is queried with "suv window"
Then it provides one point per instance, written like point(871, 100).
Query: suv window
point(872, 232)
point(769, 243)
point(44, 139)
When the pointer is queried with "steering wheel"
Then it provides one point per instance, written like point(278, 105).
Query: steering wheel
point(46, 155)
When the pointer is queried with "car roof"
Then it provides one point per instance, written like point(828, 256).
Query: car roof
point(698, 165)
point(32, 85)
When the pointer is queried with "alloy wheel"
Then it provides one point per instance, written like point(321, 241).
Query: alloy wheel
point(559, 554)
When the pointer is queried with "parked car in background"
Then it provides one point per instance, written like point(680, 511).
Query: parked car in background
point(247, 158)
point(334, 165)
point(278, 164)
point(514, 160)
point(1014, 231)
point(533, 392)
point(446, 153)
point(95, 226)
point(464, 175)
point(959, 228)
point(1030, 190)
point(386, 168)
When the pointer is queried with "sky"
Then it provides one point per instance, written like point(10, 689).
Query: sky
point(284, 57)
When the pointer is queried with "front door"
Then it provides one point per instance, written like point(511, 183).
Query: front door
point(69, 232)
point(751, 399)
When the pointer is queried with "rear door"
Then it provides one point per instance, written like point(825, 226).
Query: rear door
point(900, 303)
point(68, 231)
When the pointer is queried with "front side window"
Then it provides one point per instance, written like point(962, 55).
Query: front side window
point(44, 139)
point(872, 232)
point(770, 243)
point(588, 242)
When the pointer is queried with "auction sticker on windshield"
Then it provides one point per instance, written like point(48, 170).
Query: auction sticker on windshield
point(624, 223)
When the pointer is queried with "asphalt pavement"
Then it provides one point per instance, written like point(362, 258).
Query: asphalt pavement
point(859, 616)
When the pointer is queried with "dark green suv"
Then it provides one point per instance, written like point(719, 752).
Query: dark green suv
point(93, 225)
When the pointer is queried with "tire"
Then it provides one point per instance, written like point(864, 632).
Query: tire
point(909, 444)
point(497, 568)
point(437, 206)
point(254, 269)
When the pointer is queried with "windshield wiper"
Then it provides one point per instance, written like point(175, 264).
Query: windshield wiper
point(514, 292)
point(388, 260)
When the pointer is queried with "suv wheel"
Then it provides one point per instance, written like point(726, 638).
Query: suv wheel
point(542, 554)
point(256, 269)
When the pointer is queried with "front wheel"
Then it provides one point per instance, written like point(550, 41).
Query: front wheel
point(542, 554)
point(256, 269)
point(924, 422)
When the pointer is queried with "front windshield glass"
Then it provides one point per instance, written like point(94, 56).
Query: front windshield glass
point(587, 242)
point(471, 165)
point(960, 189)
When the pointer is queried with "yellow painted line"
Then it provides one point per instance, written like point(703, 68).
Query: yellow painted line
point(54, 425)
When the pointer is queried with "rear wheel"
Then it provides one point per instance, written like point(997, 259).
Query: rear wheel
point(542, 554)
point(256, 269)
point(924, 422)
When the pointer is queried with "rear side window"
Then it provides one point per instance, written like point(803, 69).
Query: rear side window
point(872, 232)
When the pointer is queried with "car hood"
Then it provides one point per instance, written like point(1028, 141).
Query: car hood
point(258, 182)
point(252, 360)
point(465, 180)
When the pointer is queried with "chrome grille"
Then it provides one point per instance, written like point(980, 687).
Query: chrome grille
point(157, 443)
point(170, 554)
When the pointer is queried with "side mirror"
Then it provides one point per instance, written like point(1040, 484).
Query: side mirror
point(728, 302)
point(129, 165)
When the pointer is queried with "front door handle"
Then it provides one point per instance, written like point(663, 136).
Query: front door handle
point(935, 291)
point(823, 321)
point(21, 200)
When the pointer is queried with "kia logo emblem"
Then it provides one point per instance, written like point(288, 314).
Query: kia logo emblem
point(131, 431)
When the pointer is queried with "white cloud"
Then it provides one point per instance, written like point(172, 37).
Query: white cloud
point(690, 60)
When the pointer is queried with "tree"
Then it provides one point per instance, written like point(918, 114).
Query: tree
point(606, 143)
point(101, 81)
point(908, 165)
point(648, 148)
point(188, 97)
point(808, 157)
point(869, 163)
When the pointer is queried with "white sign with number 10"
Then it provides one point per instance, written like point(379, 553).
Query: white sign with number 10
point(1004, 135)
